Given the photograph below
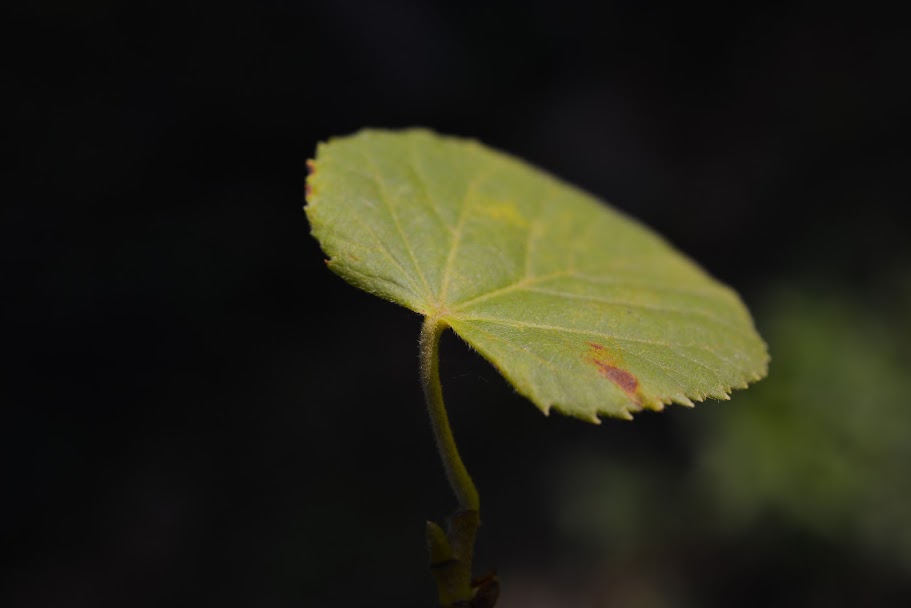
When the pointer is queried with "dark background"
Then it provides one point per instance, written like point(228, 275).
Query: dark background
point(197, 413)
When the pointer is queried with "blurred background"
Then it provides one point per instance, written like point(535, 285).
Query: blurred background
point(183, 424)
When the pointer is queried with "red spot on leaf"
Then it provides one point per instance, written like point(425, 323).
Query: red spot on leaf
point(620, 377)
point(311, 169)
point(609, 369)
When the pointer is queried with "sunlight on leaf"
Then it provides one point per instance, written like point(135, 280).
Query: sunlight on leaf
point(580, 307)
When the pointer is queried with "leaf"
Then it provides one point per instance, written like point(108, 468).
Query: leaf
point(580, 307)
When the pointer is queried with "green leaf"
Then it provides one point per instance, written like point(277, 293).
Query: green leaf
point(580, 307)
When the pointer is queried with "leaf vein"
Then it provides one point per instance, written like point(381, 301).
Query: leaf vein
point(417, 172)
point(459, 231)
point(387, 251)
point(668, 309)
point(387, 201)
point(569, 274)
point(584, 332)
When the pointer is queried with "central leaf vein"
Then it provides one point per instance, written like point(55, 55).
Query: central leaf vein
point(466, 203)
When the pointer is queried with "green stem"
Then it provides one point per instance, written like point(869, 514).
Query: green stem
point(456, 473)
point(450, 550)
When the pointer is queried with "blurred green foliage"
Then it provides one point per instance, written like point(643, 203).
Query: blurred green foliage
point(826, 442)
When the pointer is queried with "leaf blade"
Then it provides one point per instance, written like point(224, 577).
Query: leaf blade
point(579, 306)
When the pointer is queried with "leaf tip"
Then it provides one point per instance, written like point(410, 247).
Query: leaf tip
point(683, 399)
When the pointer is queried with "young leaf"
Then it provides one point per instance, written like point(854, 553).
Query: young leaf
point(580, 307)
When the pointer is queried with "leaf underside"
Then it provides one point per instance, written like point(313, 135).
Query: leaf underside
point(582, 308)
